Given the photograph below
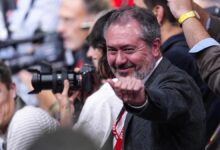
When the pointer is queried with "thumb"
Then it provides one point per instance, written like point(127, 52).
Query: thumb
point(111, 82)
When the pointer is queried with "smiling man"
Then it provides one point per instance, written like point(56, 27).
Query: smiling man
point(164, 108)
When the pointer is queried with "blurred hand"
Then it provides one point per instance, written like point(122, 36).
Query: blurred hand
point(26, 77)
point(130, 90)
point(66, 104)
point(179, 7)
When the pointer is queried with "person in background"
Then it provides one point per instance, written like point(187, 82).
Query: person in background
point(20, 125)
point(76, 19)
point(97, 49)
point(205, 48)
point(29, 19)
point(102, 107)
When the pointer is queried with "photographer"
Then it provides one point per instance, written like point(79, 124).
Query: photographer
point(107, 105)
point(28, 20)
point(20, 125)
point(75, 20)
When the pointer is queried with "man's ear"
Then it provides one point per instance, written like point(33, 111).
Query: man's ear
point(156, 48)
point(158, 11)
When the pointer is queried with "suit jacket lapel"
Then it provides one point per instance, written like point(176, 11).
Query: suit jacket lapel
point(127, 121)
point(162, 67)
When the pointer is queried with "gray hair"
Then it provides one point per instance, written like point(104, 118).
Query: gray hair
point(149, 27)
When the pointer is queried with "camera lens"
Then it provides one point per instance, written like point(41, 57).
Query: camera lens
point(54, 81)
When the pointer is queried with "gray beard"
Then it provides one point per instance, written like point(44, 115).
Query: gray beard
point(141, 74)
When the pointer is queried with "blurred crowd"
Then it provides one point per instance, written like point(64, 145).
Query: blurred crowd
point(110, 74)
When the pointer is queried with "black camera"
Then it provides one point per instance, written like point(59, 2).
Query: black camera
point(54, 80)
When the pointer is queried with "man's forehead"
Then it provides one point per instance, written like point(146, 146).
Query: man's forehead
point(129, 27)
point(128, 30)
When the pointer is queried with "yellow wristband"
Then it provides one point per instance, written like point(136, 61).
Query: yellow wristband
point(186, 16)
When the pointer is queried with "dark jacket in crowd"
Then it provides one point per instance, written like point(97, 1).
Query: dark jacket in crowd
point(176, 50)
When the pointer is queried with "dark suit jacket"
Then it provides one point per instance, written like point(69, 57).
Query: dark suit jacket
point(173, 119)
point(208, 60)
point(176, 50)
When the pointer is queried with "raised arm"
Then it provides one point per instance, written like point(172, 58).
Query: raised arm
point(192, 27)
point(206, 49)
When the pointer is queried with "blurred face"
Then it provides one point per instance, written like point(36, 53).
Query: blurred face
point(72, 16)
point(6, 104)
point(95, 54)
point(127, 53)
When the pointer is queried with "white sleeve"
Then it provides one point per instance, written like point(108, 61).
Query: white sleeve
point(98, 115)
point(26, 126)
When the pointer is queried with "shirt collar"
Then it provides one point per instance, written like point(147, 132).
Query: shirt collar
point(155, 66)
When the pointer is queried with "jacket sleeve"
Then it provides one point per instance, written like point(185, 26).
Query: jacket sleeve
point(208, 60)
point(171, 97)
point(209, 67)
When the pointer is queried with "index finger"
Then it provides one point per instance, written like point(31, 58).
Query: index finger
point(66, 87)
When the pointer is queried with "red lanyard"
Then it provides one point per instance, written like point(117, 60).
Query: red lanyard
point(118, 137)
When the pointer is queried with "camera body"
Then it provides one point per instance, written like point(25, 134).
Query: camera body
point(53, 80)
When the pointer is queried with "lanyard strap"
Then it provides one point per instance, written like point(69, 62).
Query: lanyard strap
point(118, 137)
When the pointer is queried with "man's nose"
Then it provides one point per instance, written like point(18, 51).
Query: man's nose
point(120, 58)
point(90, 52)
